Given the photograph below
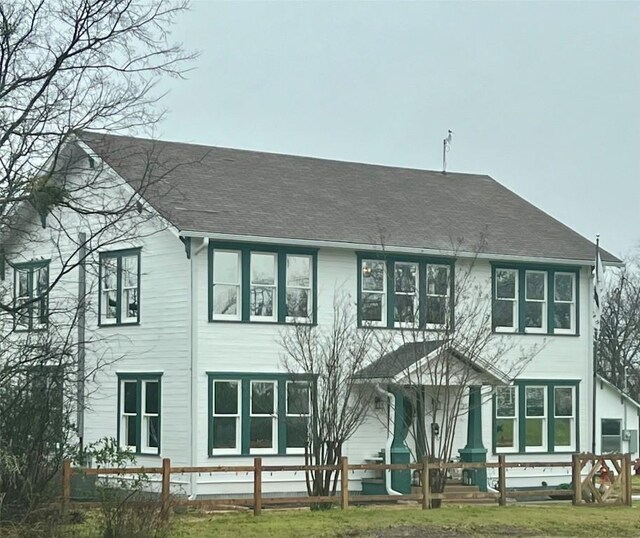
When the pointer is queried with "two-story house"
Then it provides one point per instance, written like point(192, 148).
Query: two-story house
point(233, 245)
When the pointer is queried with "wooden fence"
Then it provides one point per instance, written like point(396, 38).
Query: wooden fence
point(593, 480)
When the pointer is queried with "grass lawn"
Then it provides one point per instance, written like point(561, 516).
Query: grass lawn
point(450, 521)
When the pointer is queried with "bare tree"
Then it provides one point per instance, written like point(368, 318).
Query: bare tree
point(66, 66)
point(618, 346)
point(331, 356)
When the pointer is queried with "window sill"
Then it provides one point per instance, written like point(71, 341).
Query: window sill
point(245, 455)
point(124, 324)
point(517, 333)
point(255, 322)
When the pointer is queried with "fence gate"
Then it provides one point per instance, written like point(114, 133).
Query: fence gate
point(608, 480)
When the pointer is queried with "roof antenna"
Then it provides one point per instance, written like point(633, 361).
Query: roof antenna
point(446, 146)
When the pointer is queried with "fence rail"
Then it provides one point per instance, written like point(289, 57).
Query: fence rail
point(613, 471)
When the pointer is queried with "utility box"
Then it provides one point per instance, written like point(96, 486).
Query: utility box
point(632, 437)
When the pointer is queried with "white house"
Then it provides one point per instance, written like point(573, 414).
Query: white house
point(233, 245)
point(616, 420)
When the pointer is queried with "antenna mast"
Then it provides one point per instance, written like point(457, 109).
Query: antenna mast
point(446, 146)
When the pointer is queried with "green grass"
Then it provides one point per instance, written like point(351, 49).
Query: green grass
point(548, 520)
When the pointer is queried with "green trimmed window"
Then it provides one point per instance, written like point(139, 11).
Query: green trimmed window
point(535, 299)
point(258, 413)
point(139, 412)
point(31, 295)
point(397, 291)
point(260, 283)
point(119, 287)
point(536, 416)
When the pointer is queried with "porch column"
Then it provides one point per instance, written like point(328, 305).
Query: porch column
point(400, 480)
point(474, 451)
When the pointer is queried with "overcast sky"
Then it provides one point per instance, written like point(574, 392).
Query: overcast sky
point(544, 97)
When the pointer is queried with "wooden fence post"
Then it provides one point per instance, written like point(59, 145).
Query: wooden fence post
point(166, 487)
point(626, 462)
point(576, 478)
point(502, 481)
point(426, 488)
point(344, 482)
point(257, 486)
point(66, 484)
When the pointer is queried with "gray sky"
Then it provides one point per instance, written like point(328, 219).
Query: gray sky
point(544, 97)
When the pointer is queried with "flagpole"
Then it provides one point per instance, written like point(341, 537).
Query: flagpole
point(595, 353)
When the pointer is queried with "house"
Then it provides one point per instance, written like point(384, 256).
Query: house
point(184, 311)
point(616, 420)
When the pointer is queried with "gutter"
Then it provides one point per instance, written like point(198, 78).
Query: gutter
point(387, 449)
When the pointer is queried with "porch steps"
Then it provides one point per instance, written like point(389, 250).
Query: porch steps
point(460, 493)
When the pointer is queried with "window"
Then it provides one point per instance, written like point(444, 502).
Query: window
point(505, 309)
point(226, 284)
point(31, 292)
point(119, 283)
point(536, 416)
point(258, 413)
point(506, 418)
point(535, 300)
point(564, 303)
point(399, 292)
point(225, 423)
point(564, 418)
point(610, 432)
point(261, 284)
point(299, 287)
point(139, 412)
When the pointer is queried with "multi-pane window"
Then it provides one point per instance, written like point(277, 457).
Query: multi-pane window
point(299, 287)
point(225, 422)
point(564, 418)
point(31, 295)
point(259, 413)
point(535, 300)
point(264, 418)
point(505, 309)
point(611, 440)
point(373, 296)
point(535, 418)
point(119, 284)
point(139, 420)
point(298, 413)
point(398, 292)
point(438, 287)
point(264, 286)
point(535, 306)
point(406, 292)
point(254, 283)
point(564, 303)
point(506, 418)
point(227, 284)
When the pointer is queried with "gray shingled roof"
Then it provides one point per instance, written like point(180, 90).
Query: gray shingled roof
point(390, 365)
point(230, 191)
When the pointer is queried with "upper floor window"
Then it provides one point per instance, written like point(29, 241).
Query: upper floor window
point(398, 292)
point(531, 300)
point(119, 287)
point(31, 294)
point(139, 412)
point(258, 413)
point(256, 283)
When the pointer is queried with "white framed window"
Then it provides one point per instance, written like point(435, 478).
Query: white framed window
point(298, 411)
point(373, 307)
point(263, 436)
point(506, 419)
point(505, 307)
point(406, 301)
point(564, 415)
point(564, 303)
point(129, 286)
point(129, 415)
point(31, 287)
point(150, 434)
point(438, 287)
point(264, 286)
point(535, 307)
point(226, 425)
point(119, 287)
point(535, 418)
point(610, 435)
point(299, 288)
point(227, 284)
point(109, 299)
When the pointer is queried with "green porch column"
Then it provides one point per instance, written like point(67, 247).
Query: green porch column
point(474, 451)
point(400, 480)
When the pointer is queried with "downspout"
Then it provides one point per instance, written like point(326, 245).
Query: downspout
point(193, 363)
point(387, 450)
point(82, 308)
